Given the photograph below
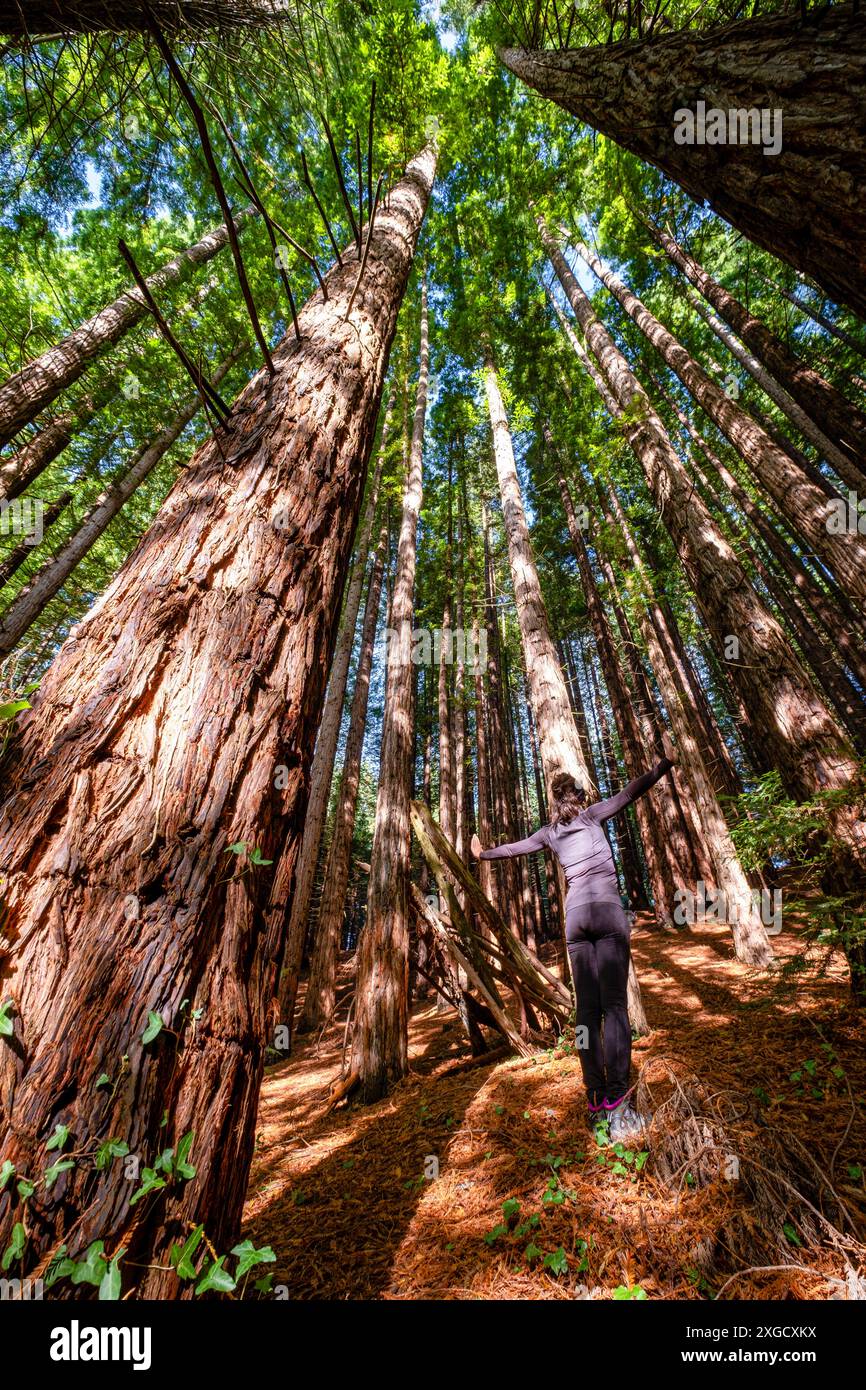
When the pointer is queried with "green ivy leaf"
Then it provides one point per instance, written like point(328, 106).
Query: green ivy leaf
point(58, 1138)
point(248, 1256)
point(556, 1261)
point(150, 1182)
point(25, 1188)
point(180, 1256)
point(109, 1151)
point(91, 1269)
point(182, 1168)
point(7, 1168)
point(15, 1248)
point(215, 1279)
point(51, 1174)
point(109, 1284)
point(13, 707)
point(7, 1027)
point(104, 1080)
point(154, 1028)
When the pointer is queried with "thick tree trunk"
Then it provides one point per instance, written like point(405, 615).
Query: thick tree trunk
point(320, 996)
point(380, 1039)
point(805, 506)
point(30, 601)
point(803, 740)
point(29, 391)
point(152, 747)
point(825, 403)
point(326, 749)
point(806, 204)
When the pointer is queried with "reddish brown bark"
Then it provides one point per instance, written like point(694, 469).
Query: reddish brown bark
point(47, 581)
point(153, 747)
point(806, 204)
point(380, 1038)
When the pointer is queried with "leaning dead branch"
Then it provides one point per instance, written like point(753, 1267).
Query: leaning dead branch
point(203, 386)
point(219, 188)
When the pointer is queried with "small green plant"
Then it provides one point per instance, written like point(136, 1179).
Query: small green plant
point(623, 1162)
point(629, 1291)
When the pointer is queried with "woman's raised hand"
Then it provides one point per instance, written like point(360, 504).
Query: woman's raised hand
point(475, 847)
point(668, 747)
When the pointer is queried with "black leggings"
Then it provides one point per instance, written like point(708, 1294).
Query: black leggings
point(597, 935)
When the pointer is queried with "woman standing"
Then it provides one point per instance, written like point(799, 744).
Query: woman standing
point(597, 933)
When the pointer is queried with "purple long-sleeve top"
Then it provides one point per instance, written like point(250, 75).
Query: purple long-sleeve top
point(581, 845)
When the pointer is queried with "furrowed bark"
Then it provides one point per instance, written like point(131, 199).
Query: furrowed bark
point(326, 748)
point(153, 746)
point(321, 987)
point(380, 1039)
point(806, 204)
point(558, 740)
point(30, 601)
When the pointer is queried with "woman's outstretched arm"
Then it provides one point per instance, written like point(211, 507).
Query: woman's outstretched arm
point(603, 810)
point(538, 840)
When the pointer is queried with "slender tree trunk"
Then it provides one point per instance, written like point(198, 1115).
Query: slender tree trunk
point(558, 741)
point(380, 1038)
point(30, 601)
point(751, 942)
point(817, 317)
point(835, 617)
point(35, 386)
point(631, 868)
point(843, 464)
point(647, 808)
point(507, 874)
point(823, 402)
point(805, 204)
point(802, 738)
point(22, 468)
point(326, 749)
point(485, 818)
point(805, 506)
point(15, 559)
point(152, 747)
point(321, 986)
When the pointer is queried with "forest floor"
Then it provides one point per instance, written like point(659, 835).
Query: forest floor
point(345, 1201)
